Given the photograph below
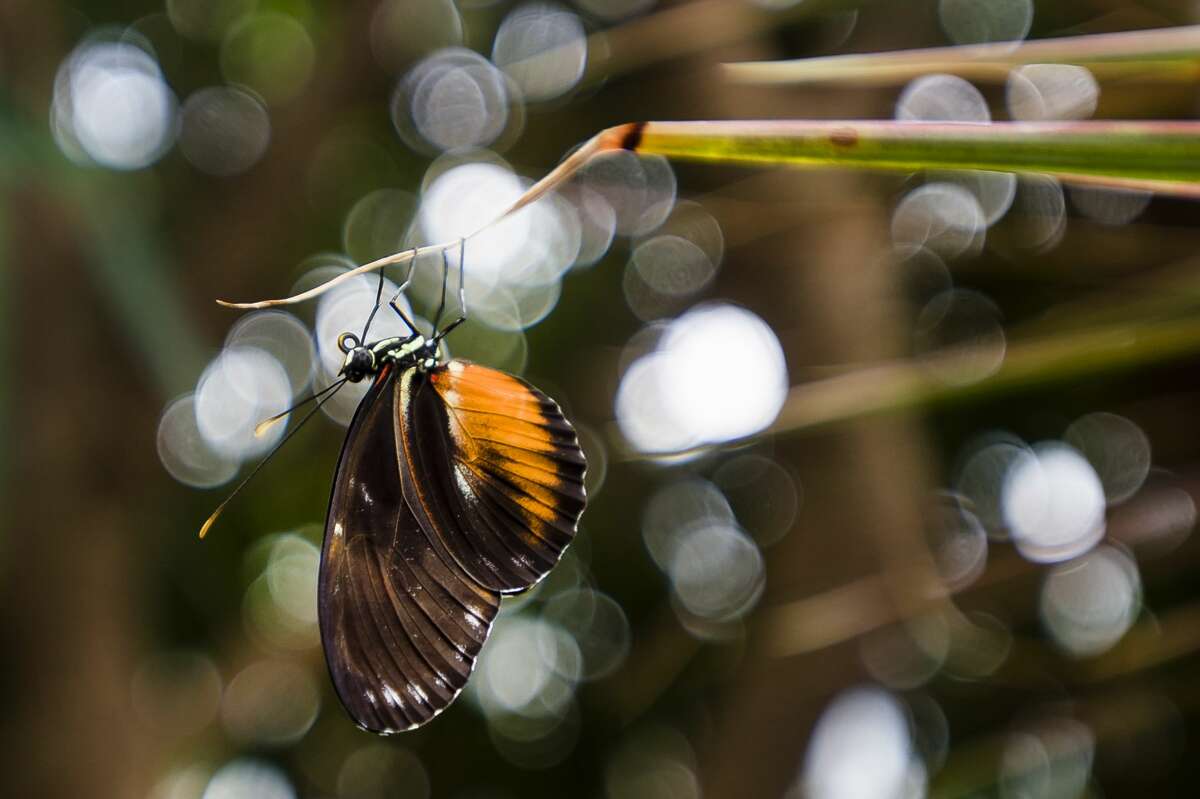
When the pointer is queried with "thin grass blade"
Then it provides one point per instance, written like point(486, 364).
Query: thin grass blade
point(1162, 54)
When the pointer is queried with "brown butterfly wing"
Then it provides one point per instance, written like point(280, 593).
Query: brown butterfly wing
point(401, 624)
point(495, 471)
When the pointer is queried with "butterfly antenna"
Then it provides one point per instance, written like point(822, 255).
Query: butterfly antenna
point(266, 424)
point(208, 523)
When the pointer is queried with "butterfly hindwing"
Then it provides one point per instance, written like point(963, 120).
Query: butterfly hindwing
point(401, 623)
point(494, 471)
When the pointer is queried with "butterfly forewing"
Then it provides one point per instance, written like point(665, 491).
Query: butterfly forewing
point(401, 622)
point(493, 470)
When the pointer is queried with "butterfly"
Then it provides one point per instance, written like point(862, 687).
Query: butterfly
point(457, 484)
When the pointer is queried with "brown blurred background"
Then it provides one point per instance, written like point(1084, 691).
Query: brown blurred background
point(990, 596)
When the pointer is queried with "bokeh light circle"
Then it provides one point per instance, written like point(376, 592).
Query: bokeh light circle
point(1053, 503)
point(249, 778)
point(1116, 448)
point(543, 49)
point(112, 106)
point(1046, 92)
point(378, 224)
point(716, 572)
point(240, 388)
point(516, 674)
point(1038, 217)
point(861, 747)
point(981, 477)
point(185, 453)
point(958, 541)
point(763, 493)
point(943, 217)
point(681, 395)
point(271, 702)
point(1110, 206)
point(598, 626)
point(284, 337)
point(1051, 757)
point(513, 270)
point(270, 52)
point(224, 131)
point(641, 190)
point(1088, 604)
point(966, 326)
point(676, 506)
point(942, 98)
point(980, 21)
point(453, 100)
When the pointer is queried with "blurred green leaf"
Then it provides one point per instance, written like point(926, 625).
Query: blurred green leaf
point(1162, 54)
point(948, 377)
point(1116, 153)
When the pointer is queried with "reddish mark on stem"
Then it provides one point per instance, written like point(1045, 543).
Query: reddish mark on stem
point(844, 137)
point(632, 136)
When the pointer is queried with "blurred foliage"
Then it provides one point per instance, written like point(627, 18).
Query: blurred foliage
point(949, 553)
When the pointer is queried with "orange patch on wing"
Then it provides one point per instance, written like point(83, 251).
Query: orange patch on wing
point(503, 430)
point(492, 407)
point(519, 468)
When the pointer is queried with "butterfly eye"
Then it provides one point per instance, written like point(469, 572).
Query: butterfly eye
point(347, 342)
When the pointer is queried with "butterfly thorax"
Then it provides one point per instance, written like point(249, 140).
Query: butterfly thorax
point(364, 360)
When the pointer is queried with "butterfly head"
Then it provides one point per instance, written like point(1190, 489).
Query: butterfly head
point(363, 360)
point(360, 360)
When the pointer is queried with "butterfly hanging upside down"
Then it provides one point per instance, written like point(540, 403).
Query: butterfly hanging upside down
point(457, 484)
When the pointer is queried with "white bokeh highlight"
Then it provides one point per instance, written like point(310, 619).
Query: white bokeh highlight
point(861, 749)
point(185, 453)
point(942, 98)
point(543, 48)
point(942, 217)
point(673, 398)
point(453, 100)
point(1044, 92)
point(513, 270)
point(112, 106)
point(249, 778)
point(240, 388)
point(1053, 503)
point(1088, 604)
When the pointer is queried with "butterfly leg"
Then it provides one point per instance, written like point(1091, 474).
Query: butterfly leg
point(375, 307)
point(437, 318)
point(462, 291)
point(400, 290)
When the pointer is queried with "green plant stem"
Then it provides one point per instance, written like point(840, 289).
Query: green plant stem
point(1154, 151)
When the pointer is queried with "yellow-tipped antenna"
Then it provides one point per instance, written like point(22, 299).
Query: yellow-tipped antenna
point(208, 523)
point(328, 392)
point(262, 427)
